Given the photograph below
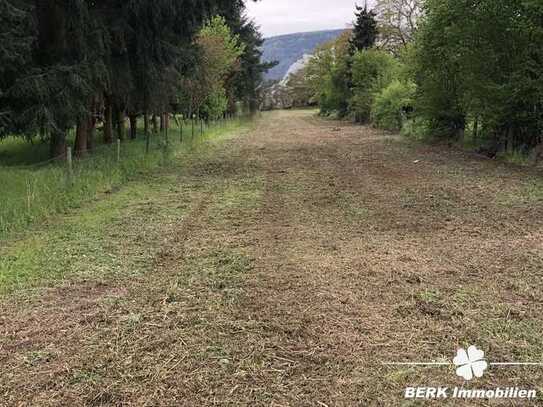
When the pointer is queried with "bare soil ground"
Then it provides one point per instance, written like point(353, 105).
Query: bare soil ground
point(307, 253)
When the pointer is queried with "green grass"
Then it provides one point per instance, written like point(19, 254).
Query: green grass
point(528, 192)
point(517, 157)
point(86, 243)
point(352, 206)
point(114, 214)
point(34, 194)
point(14, 152)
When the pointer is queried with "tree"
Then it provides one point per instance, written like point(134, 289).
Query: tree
point(244, 83)
point(299, 90)
point(16, 37)
point(392, 105)
point(364, 31)
point(328, 75)
point(218, 59)
point(437, 74)
point(63, 64)
point(480, 62)
point(397, 22)
point(372, 71)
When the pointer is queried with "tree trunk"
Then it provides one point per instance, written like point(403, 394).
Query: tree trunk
point(91, 135)
point(509, 141)
point(164, 125)
point(81, 137)
point(162, 122)
point(108, 120)
point(155, 124)
point(51, 46)
point(460, 132)
point(146, 123)
point(58, 144)
point(120, 124)
point(146, 130)
point(92, 126)
point(133, 126)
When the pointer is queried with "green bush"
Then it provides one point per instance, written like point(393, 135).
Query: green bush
point(372, 70)
point(416, 128)
point(389, 107)
point(216, 104)
point(327, 76)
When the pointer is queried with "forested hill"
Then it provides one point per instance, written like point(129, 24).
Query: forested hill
point(287, 49)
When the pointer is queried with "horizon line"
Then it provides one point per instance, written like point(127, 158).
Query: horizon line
point(307, 32)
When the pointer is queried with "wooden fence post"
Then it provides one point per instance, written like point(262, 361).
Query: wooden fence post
point(167, 128)
point(193, 118)
point(181, 129)
point(69, 163)
point(147, 133)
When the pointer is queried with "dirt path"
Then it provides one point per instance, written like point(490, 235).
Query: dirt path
point(310, 253)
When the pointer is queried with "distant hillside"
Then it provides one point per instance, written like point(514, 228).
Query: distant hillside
point(287, 49)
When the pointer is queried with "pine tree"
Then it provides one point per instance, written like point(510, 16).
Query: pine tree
point(244, 84)
point(16, 37)
point(365, 29)
point(66, 64)
point(52, 93)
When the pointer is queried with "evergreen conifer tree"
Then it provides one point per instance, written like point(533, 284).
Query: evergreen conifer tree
point(365, 29)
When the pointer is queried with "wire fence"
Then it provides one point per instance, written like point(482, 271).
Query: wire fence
point(32, 192)
point(187, 128)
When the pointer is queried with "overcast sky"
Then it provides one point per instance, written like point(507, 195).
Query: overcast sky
point(277, 17)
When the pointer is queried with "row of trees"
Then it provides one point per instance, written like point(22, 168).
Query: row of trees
point(479, 67)
point(440, 68)
point(79, 63)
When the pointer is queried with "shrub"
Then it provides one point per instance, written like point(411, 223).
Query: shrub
point(372, 70)
point(216, 104)
point(391, 106)
point(416, 129)
point(328, 78)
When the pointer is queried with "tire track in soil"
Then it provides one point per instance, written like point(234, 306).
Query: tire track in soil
point(331, 293)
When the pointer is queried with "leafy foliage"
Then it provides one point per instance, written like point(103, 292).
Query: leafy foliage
point(243, 85)
point(483, 60)
point(219, 53)
point(328, 75)
point(15, 53)
point(372, 70)
point(457, 67)
point(392, 105)
point(73, 63)
point(397, 23)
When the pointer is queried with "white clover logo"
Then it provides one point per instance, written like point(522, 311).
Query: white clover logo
point(471, 363)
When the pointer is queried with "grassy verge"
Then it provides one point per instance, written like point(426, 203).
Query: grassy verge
point(33, 194)
point(115, 213)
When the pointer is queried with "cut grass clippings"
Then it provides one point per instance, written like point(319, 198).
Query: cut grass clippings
point(94, 239)
point(283, 268)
